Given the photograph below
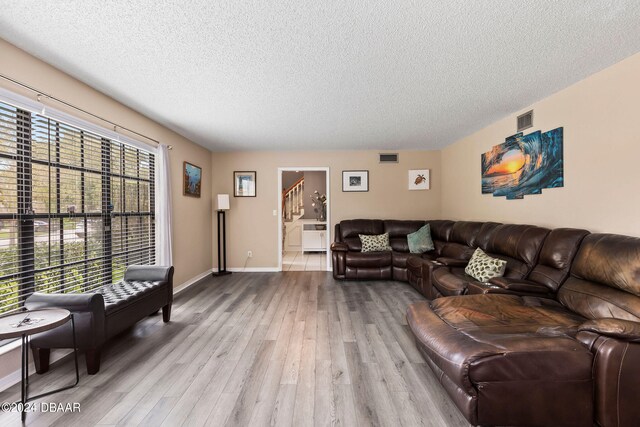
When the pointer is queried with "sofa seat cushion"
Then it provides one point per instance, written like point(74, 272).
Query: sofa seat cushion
point(368, 259)
point(473, 354)
point(498, 313)
point(401, 259)
point(118, 296)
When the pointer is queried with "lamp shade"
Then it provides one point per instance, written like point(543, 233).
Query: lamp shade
point(223, 202)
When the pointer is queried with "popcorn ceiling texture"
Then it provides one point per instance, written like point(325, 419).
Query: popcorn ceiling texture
point(330, 74)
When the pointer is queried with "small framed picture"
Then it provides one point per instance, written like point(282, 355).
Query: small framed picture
point(244, 184)
point(192, 180)
point(355, 181)
point(419, 179)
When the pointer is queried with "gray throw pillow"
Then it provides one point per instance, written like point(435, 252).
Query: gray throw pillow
point(420, 241)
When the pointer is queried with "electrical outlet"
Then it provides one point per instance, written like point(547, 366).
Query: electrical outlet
point(249, 254)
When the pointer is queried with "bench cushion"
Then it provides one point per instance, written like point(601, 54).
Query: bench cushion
point(120, 295)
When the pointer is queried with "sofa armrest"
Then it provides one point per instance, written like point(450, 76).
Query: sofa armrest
point(151, 273)
point(519, 285)
point(75, 303)
point(89, 317)
point(452, 262)
point(339, 247)
point(616, 328)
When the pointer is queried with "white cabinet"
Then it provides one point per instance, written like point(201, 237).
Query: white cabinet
point(314, 236)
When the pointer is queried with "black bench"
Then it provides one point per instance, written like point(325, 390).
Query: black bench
point(103, 313)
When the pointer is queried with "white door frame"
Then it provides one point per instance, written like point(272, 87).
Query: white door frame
point(324, 169)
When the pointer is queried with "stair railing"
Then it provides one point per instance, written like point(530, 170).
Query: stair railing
point(293, 199)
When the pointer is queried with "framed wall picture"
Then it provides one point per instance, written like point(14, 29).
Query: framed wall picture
point(192, 180)
point(355, 181)
point(419, 179)
point(244, 184)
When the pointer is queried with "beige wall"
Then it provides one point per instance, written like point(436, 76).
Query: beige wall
point(192, 217)
point(601, 120)
point(252, 225)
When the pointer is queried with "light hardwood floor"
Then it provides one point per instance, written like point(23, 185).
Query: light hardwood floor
point(293, 348)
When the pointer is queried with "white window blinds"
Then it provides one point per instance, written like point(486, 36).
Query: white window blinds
point(75, 208)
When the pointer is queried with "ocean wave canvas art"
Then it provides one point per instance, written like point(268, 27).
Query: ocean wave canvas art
point(524, 164)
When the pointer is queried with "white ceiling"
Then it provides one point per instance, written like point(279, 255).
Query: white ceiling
point(325, 74)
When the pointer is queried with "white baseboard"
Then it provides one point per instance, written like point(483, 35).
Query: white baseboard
point(192, 281)
point(251, 270)
point(14, 377)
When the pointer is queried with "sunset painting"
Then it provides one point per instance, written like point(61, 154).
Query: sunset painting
point(524, 164)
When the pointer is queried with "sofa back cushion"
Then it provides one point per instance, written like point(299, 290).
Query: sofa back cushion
point(440, 234)
point(484, 235)
point(351, 228)
point(556, 255)
point(605, 278)
point(398, 231)
point(462, 239)
point(519, 245)
point(441, 229)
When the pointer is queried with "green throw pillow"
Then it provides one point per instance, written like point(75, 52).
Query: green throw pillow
point(375, 243)
point(420, 241)
point(482, 267)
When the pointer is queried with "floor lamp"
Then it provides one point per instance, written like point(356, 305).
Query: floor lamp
point(223, 205)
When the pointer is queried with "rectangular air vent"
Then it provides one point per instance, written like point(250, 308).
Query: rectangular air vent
point(525, 121)
point(388, 157)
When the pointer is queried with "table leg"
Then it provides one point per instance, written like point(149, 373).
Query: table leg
point(75, 356)
point(23, 376)
point(26, 366)
point(75, 349)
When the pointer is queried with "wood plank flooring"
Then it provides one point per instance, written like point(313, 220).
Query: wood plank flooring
point(251, 349)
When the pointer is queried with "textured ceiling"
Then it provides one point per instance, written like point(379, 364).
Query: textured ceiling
point(325, 74)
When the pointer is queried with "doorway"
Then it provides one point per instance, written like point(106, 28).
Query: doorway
point(304, 234)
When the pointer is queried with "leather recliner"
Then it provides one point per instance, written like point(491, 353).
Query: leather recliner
point(507, 359)
point(465, 236)
point(517, 244)
point(549, 273)
point(349, 262)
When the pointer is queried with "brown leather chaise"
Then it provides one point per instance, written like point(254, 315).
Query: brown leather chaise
point(350, 263)
point(526, 360)
point(517, 244)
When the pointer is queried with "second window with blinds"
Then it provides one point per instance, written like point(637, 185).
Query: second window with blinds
point(75, 208)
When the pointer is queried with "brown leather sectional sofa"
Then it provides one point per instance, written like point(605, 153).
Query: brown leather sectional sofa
point(350, 263)
point(556, 341)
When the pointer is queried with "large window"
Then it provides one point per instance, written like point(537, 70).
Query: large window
point(75, 208)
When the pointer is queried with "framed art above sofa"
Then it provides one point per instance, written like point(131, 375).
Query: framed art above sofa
point(355, 181)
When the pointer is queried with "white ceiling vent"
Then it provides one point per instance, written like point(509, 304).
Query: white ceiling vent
point(525, 121)
point(388, 157)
